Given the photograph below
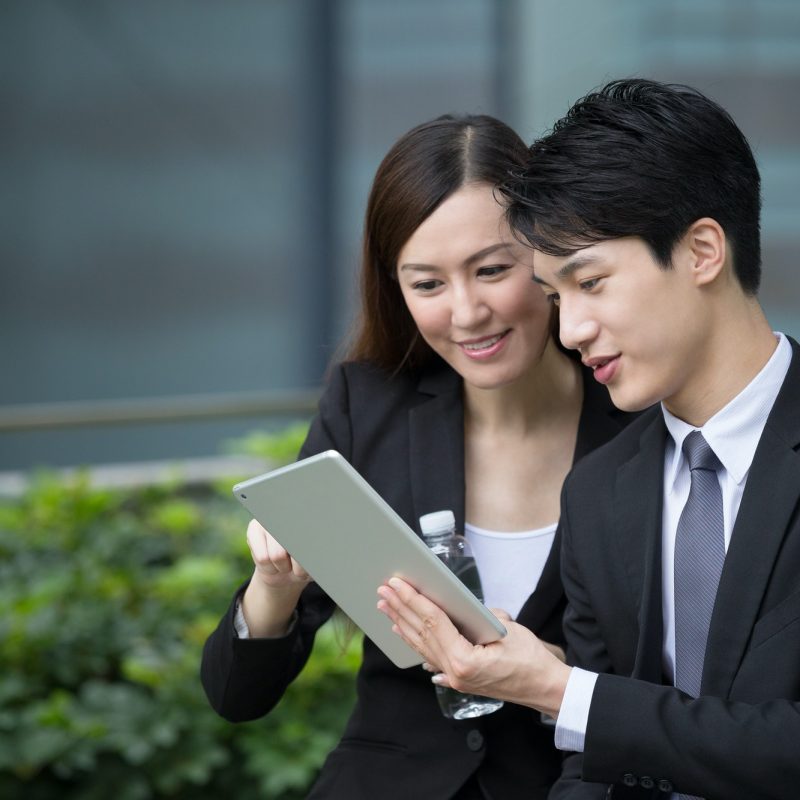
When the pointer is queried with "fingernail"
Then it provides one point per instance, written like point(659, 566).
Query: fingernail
point(438, 678)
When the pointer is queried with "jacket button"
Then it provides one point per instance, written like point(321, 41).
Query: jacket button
point(474, 740)
point(665, 786)
point(646, 782)
point(629, 780)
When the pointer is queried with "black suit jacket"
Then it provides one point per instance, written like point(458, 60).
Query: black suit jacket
point(741, 739)
point(405, 435)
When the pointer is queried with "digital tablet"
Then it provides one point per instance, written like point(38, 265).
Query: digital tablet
point(351, 541)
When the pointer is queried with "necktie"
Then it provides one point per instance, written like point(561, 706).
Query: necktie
point(699, 555)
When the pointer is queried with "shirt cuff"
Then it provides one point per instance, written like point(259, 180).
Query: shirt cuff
point(243, 632)
point(240, 623)
point(573, 717)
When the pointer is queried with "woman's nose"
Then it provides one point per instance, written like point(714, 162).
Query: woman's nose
point(469, 310)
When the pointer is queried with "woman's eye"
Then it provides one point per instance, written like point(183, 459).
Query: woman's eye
point(426, 286)
point(590, 284)
point(490, 272)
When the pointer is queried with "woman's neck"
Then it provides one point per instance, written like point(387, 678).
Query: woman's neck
point(551, 388)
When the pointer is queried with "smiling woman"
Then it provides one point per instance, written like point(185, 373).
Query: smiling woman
point(454, 395)
point(467, 283)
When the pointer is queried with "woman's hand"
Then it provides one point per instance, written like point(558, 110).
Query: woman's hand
point(275, 568)
point(277, 583)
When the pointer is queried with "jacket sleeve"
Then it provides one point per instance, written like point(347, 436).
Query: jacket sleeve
point(245, 678)
point(709, 746)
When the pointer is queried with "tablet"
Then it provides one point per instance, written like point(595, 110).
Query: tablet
point(351, 541)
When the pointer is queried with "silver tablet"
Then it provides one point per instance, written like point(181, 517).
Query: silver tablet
point(351, 541)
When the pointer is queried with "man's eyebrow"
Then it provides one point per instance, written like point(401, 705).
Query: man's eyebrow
point(480, 254)
point(573, 265)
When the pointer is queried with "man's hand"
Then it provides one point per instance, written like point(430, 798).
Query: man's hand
point(519, 668)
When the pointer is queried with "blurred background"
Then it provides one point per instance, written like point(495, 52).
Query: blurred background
point(184, 183)
point(182, 186)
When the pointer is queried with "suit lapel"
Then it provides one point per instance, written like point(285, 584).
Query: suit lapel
point(770, 498)
point(599, 422)
point(637, 535)
point(436, 446)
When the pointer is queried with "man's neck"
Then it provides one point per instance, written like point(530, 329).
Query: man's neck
point(736, 352)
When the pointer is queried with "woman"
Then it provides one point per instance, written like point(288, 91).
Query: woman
point(456, 396)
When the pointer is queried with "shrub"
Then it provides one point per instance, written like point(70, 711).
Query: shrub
point(106, 598)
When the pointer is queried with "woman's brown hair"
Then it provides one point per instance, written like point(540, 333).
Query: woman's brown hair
point(423, 168)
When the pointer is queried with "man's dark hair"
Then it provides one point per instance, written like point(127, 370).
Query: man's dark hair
point(640, 158)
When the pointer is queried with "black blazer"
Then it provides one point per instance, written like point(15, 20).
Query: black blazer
point(741, 739)
point(405, 435)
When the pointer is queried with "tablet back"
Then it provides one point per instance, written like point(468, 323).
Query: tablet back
point(351, 541)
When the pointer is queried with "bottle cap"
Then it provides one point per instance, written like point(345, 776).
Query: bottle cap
point(437, 522)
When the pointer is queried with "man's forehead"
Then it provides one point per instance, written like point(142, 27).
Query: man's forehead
point(547, 267)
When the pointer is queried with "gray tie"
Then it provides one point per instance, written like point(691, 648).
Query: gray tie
point(699, 555)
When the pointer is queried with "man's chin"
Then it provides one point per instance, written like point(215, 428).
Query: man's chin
point(627, 401)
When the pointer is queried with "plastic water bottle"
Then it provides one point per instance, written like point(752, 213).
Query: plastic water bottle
point(439, 533)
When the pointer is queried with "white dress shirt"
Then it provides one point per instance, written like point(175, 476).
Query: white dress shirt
point(733, 434)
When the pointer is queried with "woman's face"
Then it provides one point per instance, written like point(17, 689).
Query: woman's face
point(468, 285)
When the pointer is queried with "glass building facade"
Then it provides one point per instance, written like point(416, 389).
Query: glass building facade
point(184, 182)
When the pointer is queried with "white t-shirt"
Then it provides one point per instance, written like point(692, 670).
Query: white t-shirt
point(509, 564)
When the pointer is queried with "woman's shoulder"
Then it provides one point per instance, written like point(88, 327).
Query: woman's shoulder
point(365, 378)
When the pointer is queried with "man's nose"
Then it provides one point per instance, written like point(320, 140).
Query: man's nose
point(576, 327)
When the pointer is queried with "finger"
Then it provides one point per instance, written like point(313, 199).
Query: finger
point(299, 571)
point(421, 613)
point(421, 623)
point(417, 636)
point(398, 606)
point(257, 541)
point(440, 679)
point(501, 614)
point(278, 555)
point(406, 623)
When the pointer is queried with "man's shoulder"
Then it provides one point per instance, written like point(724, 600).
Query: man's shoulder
point(600, 464)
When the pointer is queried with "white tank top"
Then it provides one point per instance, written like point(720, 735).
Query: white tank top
point(509, 564)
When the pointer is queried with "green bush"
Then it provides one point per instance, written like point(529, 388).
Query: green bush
point(106, 599)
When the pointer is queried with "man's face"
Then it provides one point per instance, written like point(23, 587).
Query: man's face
point(641, 328)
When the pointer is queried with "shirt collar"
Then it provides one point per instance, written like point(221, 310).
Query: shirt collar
point(734, 431)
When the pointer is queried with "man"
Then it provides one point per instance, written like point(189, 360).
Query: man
point(680, 538)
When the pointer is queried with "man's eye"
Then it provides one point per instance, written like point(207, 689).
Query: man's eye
point(553, 298)
point(496, 269)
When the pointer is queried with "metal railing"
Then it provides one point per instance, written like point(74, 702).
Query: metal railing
point(182, 408)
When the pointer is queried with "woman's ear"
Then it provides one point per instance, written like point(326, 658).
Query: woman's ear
point(708, 250)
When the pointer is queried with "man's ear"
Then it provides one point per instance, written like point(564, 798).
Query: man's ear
point(707, 249)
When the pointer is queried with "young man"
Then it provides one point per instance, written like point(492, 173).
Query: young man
point(681, 538)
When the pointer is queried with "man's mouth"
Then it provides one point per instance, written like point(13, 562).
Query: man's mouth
point(603, 367)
